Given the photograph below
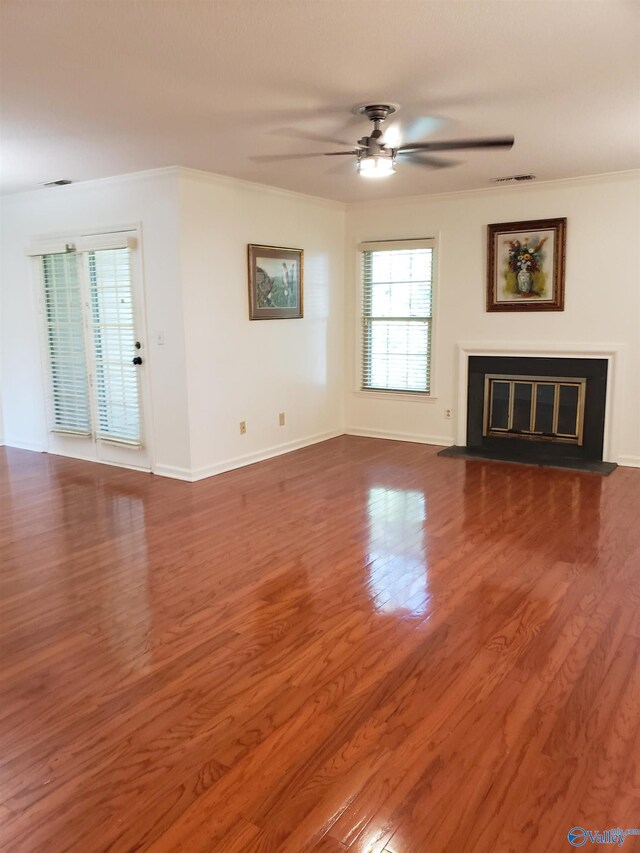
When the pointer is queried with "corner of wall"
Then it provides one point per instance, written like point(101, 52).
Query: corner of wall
point(595, 253)
point(242, 370)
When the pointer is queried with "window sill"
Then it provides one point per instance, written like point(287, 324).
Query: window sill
point(396, 396)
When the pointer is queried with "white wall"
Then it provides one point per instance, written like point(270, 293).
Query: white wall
point(149, 200)
point(253, 370)
point(1, 404)
point(1, 384)
point(602, 304)
point(216, 367)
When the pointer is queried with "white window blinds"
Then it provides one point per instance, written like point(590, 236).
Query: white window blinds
point(397, 285)
point(64, 328)
point(114, 344)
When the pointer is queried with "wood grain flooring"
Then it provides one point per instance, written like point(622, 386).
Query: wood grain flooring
point(359, 646)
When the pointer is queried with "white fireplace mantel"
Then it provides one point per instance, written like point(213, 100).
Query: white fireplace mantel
point(610, 352)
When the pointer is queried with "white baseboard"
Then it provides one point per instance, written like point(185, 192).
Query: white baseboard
point(79, 457)
point(189, 476)
point(629, 461)
point(35, 446)
point(439, 440)
point(173, 473)
point(260, 456)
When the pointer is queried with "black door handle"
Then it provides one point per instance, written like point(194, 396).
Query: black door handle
point(137, 360)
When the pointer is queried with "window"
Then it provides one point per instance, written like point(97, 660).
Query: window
point(397, 300)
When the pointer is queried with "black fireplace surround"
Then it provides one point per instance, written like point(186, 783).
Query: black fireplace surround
point(532, 448)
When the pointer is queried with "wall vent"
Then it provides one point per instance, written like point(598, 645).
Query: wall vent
point(511, 178)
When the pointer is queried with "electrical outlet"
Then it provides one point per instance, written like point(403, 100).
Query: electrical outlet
point(281, 418)
point(243, 427)
point(448, 414)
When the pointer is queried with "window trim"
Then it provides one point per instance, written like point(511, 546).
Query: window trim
point(390, 244)
point(386, 394)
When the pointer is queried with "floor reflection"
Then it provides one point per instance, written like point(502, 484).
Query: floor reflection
point(397, 555)
point(132, 621)
point(567, 503)
point(103, 524)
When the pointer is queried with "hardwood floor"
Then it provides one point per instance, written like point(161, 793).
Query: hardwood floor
point(358, 646)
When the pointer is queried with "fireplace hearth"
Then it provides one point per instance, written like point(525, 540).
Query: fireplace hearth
point(544, 411)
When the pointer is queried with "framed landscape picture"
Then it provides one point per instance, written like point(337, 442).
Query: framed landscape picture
point(525, 265)
point(275, 283)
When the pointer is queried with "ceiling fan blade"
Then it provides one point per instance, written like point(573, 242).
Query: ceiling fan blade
point(294, 133)
point(430, 162)
point(274, 158)
point(460, 144)
point(392, 135)
point(340, 153)
point(421, 127)
point(343, 167)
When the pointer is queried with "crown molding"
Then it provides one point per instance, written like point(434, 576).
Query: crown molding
point(177, 172)
point(187, 172)
point(583, 180)
point(94, 183)
point(226, 180)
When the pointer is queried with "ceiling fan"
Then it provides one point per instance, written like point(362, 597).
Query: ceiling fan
point(375, 158)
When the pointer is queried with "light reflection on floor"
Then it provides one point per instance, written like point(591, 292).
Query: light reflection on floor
point(398, 564)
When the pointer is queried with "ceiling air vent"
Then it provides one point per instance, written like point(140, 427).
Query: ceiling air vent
point(63, 182)
point(512, 178)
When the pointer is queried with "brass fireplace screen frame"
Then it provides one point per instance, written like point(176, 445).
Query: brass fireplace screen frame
point(557, 382)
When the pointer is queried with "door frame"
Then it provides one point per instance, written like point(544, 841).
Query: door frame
point(45, 244)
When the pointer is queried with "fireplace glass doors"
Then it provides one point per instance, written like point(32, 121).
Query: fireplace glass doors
point(542, 408)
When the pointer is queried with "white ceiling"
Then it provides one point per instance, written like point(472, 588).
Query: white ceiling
point(102, 87)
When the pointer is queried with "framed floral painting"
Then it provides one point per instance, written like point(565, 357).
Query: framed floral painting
point(525, 265)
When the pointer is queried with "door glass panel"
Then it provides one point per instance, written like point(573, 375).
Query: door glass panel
point(65, 344)
point(522, 405)
point(112, 315)
point(545, 395)
point(568, 410)
point(499, 405)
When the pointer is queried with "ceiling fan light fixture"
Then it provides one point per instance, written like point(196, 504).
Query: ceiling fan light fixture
point(376, 165)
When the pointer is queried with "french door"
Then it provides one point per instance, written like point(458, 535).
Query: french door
point(91, 305)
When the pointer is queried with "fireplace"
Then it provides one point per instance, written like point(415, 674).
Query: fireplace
point(538, 408)
point(547, 411)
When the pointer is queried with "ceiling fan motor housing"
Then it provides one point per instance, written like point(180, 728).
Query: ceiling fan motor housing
point(373, 146)
point(377, 112)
